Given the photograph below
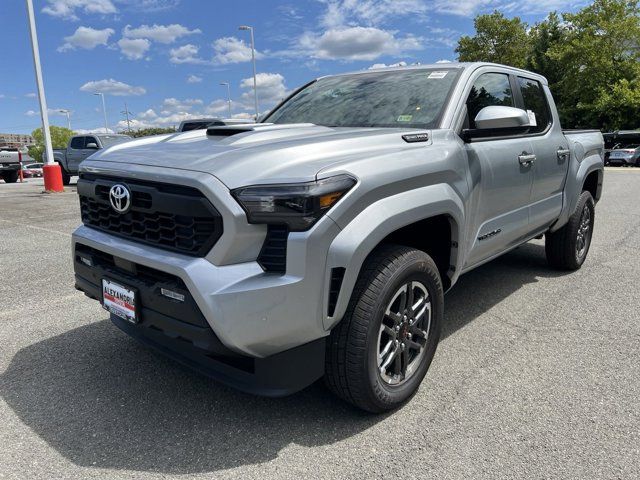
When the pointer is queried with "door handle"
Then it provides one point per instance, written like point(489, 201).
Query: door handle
point(563, 153)
point(526, 159)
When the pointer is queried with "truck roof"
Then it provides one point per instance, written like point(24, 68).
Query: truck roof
point(446, 66)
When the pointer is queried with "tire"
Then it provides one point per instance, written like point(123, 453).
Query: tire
point(10, 176)
point(568, 247)
point(352, 366)
point(66, 178)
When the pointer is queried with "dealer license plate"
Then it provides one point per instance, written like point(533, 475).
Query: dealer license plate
point(119, 300)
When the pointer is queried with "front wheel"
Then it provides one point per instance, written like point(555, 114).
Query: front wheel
point(379, 353)
point(10, 176)
point(66, 178)
point(567, 248)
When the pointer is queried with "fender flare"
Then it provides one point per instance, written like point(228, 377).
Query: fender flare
point(573, 187)
point(357, 240)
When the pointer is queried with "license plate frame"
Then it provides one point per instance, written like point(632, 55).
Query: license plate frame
point(120, 300)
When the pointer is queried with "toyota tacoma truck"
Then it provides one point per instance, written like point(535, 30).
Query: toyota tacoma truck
point(81, 147)
point(9, 164)
point(320, 241)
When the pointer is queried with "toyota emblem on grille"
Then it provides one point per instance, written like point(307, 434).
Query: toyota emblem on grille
point(120, 198)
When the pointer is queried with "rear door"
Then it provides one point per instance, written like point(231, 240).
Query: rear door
point(551, 150)
point(501, 182)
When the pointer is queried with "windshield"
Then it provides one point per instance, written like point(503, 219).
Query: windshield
point(108, 140)
point(401, 98)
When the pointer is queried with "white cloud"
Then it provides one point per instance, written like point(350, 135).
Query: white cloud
point(86, 38)
point(185, 54)
point(148, 114)
point(112, 87)
point(356, 43)
point(31, 113)
point(175, 105)
point(194, 79)
point(27, 95)
point(341, 13)
point(66, 9)
point(159, 33)
point(219, 107)
point(271, 89)
point(384, 65)
point(134, 48)
point(470, 8)
point(232, 50)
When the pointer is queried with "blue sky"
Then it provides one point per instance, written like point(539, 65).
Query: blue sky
point(167, 58)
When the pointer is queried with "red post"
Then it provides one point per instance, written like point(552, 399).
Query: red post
point(20, 165)
point(52, 177)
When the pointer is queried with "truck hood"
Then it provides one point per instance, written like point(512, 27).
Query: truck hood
point(260, 153)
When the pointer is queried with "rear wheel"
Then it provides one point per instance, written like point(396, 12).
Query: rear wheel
point(567, 248)
point(10, 177)
point(381, 350)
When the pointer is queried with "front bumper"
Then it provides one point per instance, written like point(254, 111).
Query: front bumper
point(9, 167)
point(178, 329)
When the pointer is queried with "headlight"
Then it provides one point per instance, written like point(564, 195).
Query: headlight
point(297, 205)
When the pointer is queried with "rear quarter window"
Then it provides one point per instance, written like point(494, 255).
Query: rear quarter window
point(535, 103)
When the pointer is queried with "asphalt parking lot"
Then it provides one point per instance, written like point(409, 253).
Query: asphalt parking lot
point(537, 375)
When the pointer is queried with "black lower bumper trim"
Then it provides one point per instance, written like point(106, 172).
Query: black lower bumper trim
point(275, 376)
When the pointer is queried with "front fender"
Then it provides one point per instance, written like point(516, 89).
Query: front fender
point(356, 241)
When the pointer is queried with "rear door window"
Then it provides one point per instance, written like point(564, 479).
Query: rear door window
point(489, 89)
point(77, 143)
point(535, 103)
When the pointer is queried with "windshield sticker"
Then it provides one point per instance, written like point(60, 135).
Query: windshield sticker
point(532, 118)
point(405, 118)
point(437, 75)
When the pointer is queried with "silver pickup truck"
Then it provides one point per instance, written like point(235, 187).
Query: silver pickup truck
point(9, 164)
point(81, 147)
point(320, 242)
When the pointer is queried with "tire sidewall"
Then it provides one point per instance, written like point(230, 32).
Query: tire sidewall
point(585, 200)
point(420, 270)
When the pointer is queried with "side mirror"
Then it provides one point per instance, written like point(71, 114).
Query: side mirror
point(496, 120)
point(92, 145)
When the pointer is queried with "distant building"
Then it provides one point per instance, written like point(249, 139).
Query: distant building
point(16, 140)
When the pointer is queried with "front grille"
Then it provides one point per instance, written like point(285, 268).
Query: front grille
point(171, 217)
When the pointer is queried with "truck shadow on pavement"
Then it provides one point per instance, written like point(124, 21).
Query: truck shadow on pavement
point(102, 400)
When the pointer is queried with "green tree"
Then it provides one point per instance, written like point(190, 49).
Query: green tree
point(145, 132)
point(600, 58)
point(498, 39)
point(59, 138)
point(546, 35)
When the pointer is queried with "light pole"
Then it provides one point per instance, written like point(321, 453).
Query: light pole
point(228, 95)
point(51, 170)
point(67, 113)
point(104, 111)
point(126, 113)
point(253, 59)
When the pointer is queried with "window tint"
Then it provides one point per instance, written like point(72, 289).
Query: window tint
point(90, 140)
point(489, 89)
point(77, 143)
point(535, 103)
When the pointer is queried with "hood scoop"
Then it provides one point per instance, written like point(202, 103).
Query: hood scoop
point(257, 132)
